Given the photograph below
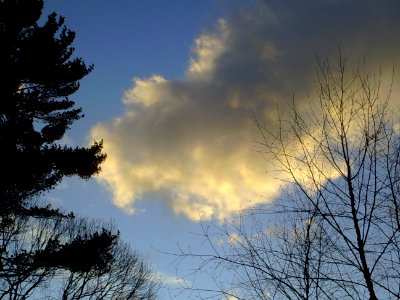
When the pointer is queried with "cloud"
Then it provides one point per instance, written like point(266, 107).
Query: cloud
point(187, 142)
point(172, 280)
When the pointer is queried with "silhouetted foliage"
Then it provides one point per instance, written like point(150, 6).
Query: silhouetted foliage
point(42, 247)
point(77, 255)
point(38, 73)
point(128, 277)
point(71, 258)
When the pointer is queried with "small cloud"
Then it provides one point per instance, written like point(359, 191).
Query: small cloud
point(172, 280)
point(234, 239)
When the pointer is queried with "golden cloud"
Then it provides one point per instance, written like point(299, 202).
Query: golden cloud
point(188, 142)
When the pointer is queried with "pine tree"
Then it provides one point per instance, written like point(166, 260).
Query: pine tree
point(44, 250)
point(38, 73)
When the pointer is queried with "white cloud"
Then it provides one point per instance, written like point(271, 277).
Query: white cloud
point(172, 280)
point(187, 142)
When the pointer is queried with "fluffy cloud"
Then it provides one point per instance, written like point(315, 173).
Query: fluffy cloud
point(188, 142)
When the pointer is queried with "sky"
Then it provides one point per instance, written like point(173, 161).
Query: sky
point(172, 95)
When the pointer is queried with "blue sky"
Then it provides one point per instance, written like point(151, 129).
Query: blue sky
point(125, 40)
point(171, 94)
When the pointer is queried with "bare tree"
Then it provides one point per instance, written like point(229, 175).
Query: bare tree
point(334, 231)
point(71, 258)
point(128, 277)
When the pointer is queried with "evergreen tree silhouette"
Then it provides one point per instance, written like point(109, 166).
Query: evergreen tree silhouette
point(38, 73)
